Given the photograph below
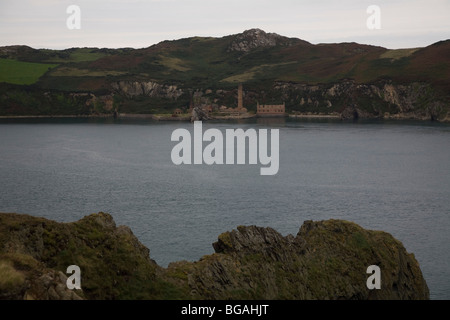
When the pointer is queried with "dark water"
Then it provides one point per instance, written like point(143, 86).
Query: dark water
point(390, 176)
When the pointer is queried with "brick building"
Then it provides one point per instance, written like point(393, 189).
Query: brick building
point(271, 109)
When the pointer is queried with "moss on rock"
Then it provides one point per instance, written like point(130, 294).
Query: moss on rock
point(325, 260)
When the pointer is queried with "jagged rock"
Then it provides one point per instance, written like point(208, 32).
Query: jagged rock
point(147, 88)
point(377, 100)
point(198, 114)
point(325, 260)
point(353, 112)
point(51, 286)
point(111, 258)
point(257, 38)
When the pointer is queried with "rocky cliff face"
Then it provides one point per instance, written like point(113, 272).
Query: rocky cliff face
point(146, 88)
point(325, 260)
point(383, 99)
point(38, 251)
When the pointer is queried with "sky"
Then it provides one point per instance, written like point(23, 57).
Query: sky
point(142, 23)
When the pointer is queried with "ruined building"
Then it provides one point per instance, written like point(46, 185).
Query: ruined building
point(271, 109)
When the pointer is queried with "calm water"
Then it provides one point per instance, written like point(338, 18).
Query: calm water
point(390, 176)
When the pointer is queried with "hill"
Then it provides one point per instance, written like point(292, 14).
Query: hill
point(206, 70)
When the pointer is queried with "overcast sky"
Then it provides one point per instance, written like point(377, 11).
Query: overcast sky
point(141, 23)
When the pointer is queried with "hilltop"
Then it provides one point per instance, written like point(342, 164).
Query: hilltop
point(325, 260)
point(341, 78)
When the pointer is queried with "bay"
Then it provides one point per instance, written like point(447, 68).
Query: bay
point(384, 175)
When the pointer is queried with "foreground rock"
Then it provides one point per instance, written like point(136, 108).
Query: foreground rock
point(325, 260)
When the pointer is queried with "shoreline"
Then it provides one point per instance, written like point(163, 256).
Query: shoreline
point(57, 116)
point(325, 116)
point(230, 117)
point(150, 116)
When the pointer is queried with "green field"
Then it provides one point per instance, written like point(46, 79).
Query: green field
point(74, 55)
point(18, 72)
point(396, 54)
point(74, 72)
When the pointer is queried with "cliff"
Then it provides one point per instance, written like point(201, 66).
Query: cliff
point(325, 260)
point(382, 99)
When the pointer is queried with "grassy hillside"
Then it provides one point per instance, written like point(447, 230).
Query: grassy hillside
point(19, 72)
point(215, 62)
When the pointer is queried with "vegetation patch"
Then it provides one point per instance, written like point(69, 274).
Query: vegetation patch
point(75, 72)
point(19, 72)
point(396, 54)
point(9, 277)
point(174, 63)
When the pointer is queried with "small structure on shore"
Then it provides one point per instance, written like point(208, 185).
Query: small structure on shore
point(271, 109)
point(177, 112)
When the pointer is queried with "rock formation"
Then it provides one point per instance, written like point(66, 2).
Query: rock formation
point(257, 38)
point(198, 114)
point(381, 99)
point(146, 88)
point(325, 260)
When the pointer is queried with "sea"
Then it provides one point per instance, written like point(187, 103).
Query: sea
point(384, 175)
